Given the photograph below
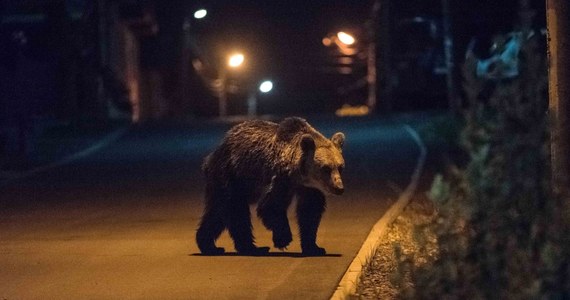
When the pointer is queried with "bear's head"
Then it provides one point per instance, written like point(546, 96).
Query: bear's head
point(322, 163)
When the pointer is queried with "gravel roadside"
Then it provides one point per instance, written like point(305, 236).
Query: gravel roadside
point(385, 277)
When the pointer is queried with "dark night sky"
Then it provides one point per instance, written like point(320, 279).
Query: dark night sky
point(282, 41)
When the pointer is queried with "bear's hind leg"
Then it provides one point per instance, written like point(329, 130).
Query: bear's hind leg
point(239, 224)
point(211, 227)
point(212, 224)
point(310, 207)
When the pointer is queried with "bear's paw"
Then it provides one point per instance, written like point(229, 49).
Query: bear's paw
point(282, 239)
point(314, 251)
point(254, 251)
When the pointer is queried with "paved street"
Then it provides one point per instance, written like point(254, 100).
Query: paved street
point(120, 223)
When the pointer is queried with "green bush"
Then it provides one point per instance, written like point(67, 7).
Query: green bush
point(501, 233)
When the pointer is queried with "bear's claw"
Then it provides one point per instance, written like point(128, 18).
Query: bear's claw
point(282, 240)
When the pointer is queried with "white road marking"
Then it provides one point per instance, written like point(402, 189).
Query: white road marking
point(67, 160)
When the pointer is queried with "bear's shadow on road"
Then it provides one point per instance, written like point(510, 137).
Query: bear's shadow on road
point(269, 254)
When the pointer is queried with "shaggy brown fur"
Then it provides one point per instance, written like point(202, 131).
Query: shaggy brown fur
point(269, 163)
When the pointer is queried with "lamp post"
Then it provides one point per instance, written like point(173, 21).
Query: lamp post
point(345, 38)
point(200, 13)
point(346, 44)
point(233, 61)
point(264, 87)
point(190, 45)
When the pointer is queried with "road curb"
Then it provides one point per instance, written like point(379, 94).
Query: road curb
point(349, 281)
point(103, 142)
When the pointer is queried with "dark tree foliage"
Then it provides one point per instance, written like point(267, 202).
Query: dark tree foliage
point(502, 234)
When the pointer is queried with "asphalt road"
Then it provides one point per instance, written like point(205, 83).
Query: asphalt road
point(120, 224)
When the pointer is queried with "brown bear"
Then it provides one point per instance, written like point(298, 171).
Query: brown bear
point(269, 163)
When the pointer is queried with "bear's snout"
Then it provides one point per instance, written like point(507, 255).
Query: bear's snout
point(338, 190)
point(338, 187)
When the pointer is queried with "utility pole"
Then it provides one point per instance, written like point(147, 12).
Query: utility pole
point(371, 75)
point(223, 95)
point(382, 26)
point(185, 63)
point(558, 23)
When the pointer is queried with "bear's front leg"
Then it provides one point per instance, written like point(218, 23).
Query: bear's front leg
point(310, 208)
point(272, 210)
point(278, 223)
point(282, 235)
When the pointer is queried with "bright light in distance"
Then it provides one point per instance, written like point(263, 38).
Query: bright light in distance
point(266, 86)
point(201, 13)
point(345, 38)
point(236, 60)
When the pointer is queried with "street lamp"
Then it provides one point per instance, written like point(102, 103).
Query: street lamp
point(347, 45)
point(234, 61)
point(200, 14)
point(264, 87)
point(345, 38)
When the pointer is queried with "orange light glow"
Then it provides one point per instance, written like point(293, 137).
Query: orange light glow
point(345, 38)
point(236, 60)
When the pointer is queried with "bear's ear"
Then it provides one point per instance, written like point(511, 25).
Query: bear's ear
point(338, 139)
point(307, 143)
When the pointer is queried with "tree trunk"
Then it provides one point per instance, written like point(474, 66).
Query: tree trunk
point(558, 22)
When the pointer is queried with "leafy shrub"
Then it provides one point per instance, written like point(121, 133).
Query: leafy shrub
point(501, 233)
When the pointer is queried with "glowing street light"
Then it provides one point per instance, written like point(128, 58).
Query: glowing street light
point(345, 38)
point(266, 86)
point(344, 41)
point(346, 45)
point(236, 60)
point(200, 14)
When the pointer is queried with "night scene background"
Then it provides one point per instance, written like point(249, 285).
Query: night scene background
point(156, 58)
point(108, 108)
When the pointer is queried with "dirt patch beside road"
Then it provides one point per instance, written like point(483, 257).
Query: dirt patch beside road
point(386, 275)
